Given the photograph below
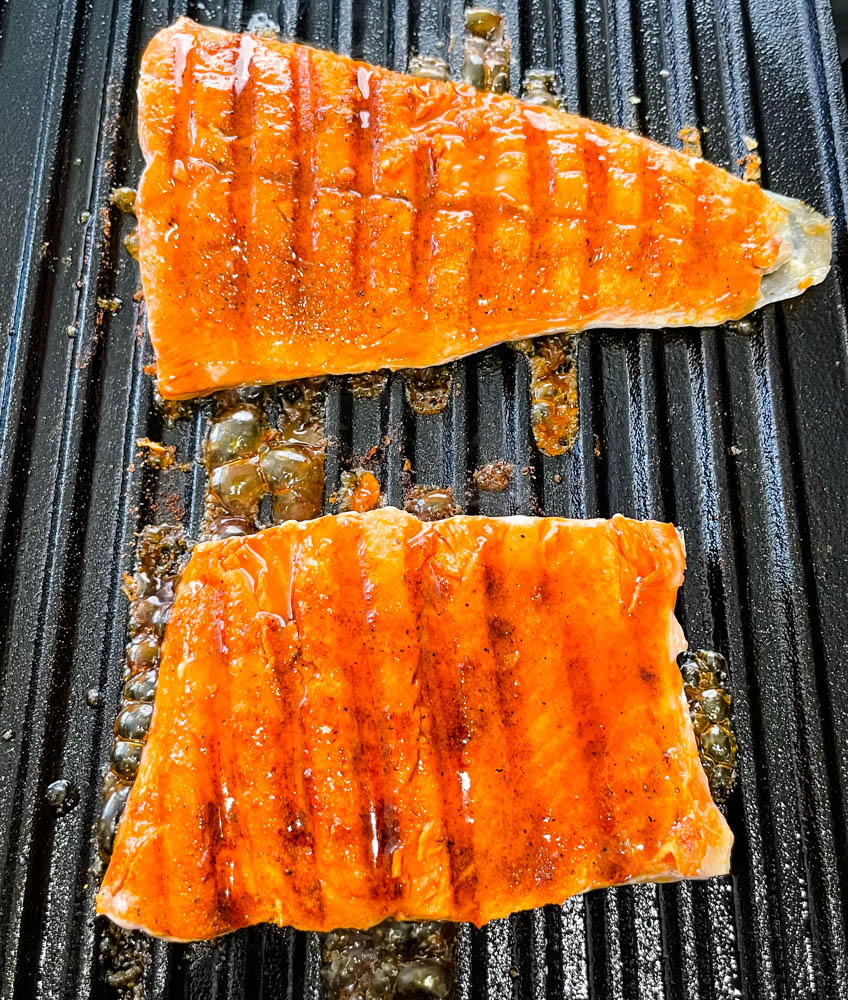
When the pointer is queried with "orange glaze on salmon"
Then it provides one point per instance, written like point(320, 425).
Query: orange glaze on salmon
point(364, 716)
point(304, 214)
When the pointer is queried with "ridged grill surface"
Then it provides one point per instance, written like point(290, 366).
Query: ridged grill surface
point(737, 435)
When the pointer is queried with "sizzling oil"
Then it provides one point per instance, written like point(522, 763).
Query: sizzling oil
point(554, 410)
point(160, 555)
point(704, 678)
point(253, 462)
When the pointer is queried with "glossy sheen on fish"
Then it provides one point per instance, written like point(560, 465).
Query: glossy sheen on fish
point(364, 716)
point(304, 214)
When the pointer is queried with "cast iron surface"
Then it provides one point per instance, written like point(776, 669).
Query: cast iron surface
point(737, 435)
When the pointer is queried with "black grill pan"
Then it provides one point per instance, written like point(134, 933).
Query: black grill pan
point(739, 435)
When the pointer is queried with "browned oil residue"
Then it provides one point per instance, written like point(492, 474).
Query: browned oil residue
point(360, 491)
point(235, 485)
point(396, 959)
point(431, 503)
point(428, 67)
point(539, 87)
point(296, 476)
point(368, 385)
point(124, 956)
point(494, 477)
point(710, 706)
point(264, 25)
point(248, 460)
point(123, 198)
point(554, 412)
point(109, 305)
point(486, 53)
point(131, 243)
point(428, 390)
point(171, 409)
point(161, 553)
point(751, 164)
point(691, 139)
point(158, 455)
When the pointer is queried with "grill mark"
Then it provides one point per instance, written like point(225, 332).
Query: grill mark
point(539, 184)
point(440, 696)
point(369, 682)
point(594, 164)
point(213, 822)
point(159, 842)
point(226, 832)
point(316, 891)
point(178, 150)
point(482, 209)
point(647, 264)
point(347, 624)
point(309, 784)
point(242, 187)
point(303, 127)
point(423, 217)
point(700, 243)
point(500, 612)
point(363, 166)
point(610, 867)
point(296, 817)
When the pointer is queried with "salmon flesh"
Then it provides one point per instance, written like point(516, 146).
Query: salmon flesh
point(363, 716)
point(304, 214)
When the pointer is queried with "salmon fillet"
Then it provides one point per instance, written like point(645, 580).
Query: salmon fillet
point(303, 214)
point(363, 716)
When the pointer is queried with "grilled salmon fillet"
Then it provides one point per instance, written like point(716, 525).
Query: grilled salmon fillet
point(303, 214)
point(363, 716)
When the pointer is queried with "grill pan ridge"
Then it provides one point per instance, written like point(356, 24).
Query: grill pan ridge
point(738, 435)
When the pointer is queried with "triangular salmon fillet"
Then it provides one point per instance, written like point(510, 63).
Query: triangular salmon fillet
point(304, 214)
point(363, 716)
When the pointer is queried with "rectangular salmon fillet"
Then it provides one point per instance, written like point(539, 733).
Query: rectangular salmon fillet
point(363, 716)
point(304, 214)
